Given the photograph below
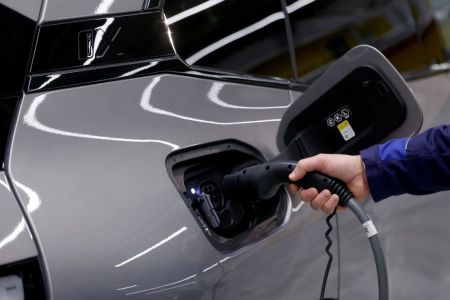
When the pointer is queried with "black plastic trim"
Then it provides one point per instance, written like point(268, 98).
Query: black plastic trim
point(101, 41)
point(153, 4)
point(16, 38)
point(170, 65)
point(290, 40)
point(30, 273)
point(58, 62)
point(52, 81)
point(8, 107)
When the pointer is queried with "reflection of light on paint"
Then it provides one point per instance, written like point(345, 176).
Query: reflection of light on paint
point(169, 34)
point(99, 32)
point(297, 208)
point(297, 5)
point(217, 87)
point(33, 204)
point(246, 31)
point(159, 244)
point(135, 71)
point(4, 183)
point(103, 7)
point(171, 288)
point(14, 234)
point(163, 286)
point(33, 198)
point(225, 259)
point(50, 79)
point(192, 11)
point(127, 287)
point(218, 263)
point(31, 120)
point(146, 105)
point(210, 267)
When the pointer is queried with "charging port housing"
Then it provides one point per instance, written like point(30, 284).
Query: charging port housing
point(229, 224)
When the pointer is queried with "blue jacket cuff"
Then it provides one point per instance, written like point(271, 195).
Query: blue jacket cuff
point(377, 185)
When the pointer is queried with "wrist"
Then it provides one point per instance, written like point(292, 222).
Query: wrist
point(363, 177)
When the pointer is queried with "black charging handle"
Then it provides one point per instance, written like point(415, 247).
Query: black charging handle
point(262, 181)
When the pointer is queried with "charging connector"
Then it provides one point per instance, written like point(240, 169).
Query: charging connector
point(264, 180)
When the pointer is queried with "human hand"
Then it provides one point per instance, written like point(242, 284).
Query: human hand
point(349, 169)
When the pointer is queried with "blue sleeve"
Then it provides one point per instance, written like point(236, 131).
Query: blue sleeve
point(420, 165)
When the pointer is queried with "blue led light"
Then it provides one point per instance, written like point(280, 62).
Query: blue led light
point(192, 191)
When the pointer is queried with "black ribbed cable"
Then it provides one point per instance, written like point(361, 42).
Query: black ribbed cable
point(330, 255)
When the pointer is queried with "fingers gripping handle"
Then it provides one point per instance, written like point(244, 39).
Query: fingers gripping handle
point(264, 180)
point(322, 182)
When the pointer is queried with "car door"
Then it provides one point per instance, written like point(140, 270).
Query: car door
point(125, 110)
point(20, 272)
point(106, 103)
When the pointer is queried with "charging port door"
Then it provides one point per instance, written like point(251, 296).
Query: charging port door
point(359, 101)
point(228, 222)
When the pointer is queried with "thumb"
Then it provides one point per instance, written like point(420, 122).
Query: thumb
point(314, 163)
point(298, 172)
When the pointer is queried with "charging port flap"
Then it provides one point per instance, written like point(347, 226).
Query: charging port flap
point(229, 222)
point(359, 101)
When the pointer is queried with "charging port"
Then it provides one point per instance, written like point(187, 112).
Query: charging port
point(198, 173)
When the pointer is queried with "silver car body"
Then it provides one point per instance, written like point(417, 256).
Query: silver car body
point(87, 191)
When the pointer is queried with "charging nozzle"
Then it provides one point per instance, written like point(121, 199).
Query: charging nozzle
point(264, 180)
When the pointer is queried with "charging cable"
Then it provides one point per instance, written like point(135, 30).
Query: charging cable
point(264, 180)
point(330, 255)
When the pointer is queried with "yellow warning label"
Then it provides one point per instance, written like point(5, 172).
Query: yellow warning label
point(346, 130)
point(341, 126)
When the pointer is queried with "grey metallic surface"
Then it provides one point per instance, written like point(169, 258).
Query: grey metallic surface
point(111, 222)
point(289, 266)
point(29, 9)
point(110, 141)
point(53, 10)
point(16, 242)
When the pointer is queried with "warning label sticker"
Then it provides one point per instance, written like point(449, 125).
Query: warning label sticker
point(346, 130)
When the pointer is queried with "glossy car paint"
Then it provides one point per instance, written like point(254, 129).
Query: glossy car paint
point(243, 36)
point(127, 170)
point(110, 222)
point(16, 243)
point(114, 218)
point(53, 10)
point(30, 9)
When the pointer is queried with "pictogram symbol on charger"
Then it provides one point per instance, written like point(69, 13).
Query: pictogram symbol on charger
point(345, 112)
point(330, 122)
point(342, 114)
point(337, 117)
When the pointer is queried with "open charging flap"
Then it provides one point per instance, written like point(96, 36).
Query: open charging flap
point(359, 101)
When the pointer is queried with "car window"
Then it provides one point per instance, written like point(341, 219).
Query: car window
point(407, 32)
point(240, 36)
